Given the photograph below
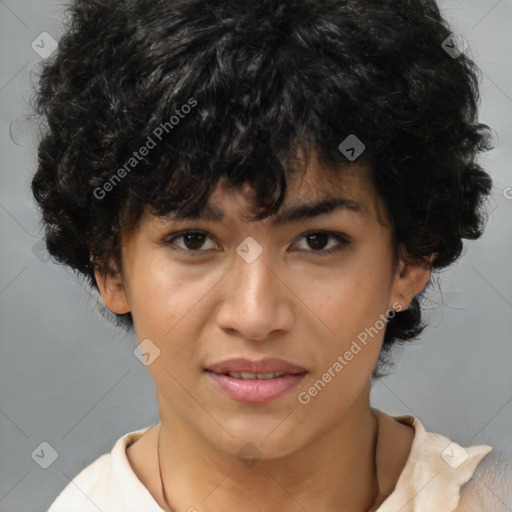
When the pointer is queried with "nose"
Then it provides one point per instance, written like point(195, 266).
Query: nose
point(256, 301)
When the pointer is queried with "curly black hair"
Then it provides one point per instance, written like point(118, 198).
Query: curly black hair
point(148, 104)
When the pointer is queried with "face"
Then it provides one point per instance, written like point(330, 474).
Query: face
point(309, 288)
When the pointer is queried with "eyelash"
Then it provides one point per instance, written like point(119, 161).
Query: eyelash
point(342, 239)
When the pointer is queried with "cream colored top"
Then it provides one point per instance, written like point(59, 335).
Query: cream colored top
point(430, 481)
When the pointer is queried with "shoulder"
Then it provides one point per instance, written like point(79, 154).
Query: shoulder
point(436, 472)
point(90, 489)
point(108, 484)
point(490, 488)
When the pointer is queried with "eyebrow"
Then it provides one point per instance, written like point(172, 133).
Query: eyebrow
point(304, 211)
point(292, 213)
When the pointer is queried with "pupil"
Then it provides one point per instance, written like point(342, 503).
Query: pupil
point(318, 240)
point(189, 240)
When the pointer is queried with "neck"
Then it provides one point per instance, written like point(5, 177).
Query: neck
point(334, 473)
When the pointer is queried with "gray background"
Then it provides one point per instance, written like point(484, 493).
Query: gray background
point(69, 378)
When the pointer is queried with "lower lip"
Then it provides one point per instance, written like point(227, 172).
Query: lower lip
point(256, 391)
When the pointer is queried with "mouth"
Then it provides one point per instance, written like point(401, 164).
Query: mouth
point(252, 376)
point(263, 367)
point(255, 382)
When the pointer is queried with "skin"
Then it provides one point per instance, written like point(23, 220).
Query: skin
point(290, 303)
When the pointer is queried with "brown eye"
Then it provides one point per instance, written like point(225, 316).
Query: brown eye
point(321, 242)
point(193, 241)
point(317, 241)
point(190, 241)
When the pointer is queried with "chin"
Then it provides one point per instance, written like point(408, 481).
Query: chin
point(258, 439)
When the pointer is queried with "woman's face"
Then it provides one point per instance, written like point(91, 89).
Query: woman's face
point(311, 290)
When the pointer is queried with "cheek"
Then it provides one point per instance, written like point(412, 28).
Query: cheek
point(164, 303)
point(349, 340)
point(160, 295)
point(167, 300)
point(344, 298)
point(347, 306)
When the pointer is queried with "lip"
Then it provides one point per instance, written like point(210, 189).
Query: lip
point(256, 391)
point(267, 365)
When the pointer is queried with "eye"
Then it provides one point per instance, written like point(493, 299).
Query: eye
point(319, 242)
point(190, 241)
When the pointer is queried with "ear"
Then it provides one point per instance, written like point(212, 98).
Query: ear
point(410, 280)
point(111, 289)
